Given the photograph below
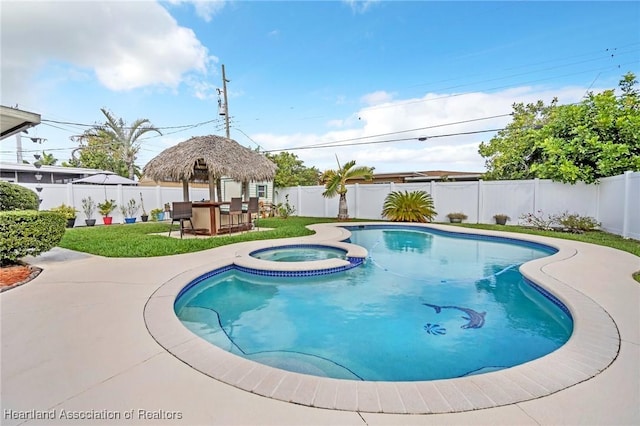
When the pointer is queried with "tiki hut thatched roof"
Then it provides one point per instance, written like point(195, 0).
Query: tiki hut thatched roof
point(201, 156)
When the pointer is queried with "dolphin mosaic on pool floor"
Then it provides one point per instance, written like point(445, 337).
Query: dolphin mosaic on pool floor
point(593, 346)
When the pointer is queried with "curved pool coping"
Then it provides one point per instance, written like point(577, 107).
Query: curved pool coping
point(592, 347)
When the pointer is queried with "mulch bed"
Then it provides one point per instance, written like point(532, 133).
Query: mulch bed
point(15, 275)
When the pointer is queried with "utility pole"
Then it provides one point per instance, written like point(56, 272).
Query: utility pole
point(226, 101)
point(19, 147)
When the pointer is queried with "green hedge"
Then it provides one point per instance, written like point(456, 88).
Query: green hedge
point(28, 232)
point(16, 197)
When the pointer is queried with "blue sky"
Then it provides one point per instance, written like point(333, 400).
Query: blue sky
point(368, 78)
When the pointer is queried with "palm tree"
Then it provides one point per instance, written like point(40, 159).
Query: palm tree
point(48, 159)
point(415, 206)
point(335, 183)
point(126, 137)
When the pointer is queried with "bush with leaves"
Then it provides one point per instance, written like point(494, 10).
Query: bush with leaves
point(285, 210)
point(28, 232)
point(17, 197)
point(538, 221)
point(415, 206)
point(576, 223)
point(563, 222)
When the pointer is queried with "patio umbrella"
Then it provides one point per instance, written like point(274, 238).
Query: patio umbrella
point(106, 179)
point(208, 158)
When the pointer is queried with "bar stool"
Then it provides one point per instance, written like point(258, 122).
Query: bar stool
point(235, 209)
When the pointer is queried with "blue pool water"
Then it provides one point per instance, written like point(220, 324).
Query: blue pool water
point(425, 305)
point(299, 253)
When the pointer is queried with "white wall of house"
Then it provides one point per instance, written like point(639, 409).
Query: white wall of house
point(615, 201)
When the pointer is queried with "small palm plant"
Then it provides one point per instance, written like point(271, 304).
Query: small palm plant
point(415, 206)
point(335, 182)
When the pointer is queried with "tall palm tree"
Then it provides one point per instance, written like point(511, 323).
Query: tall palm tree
point(126, 137)
point(335, 182)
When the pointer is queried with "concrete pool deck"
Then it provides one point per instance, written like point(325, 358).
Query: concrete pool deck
point(75, 343)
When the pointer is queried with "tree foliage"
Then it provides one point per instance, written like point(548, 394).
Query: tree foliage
point(335, 182)
point(596, 138)
point(98, 152)
point(292, 171)
point(111, 145)
point(48, 159)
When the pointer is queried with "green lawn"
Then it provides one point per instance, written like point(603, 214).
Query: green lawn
point(136, 240)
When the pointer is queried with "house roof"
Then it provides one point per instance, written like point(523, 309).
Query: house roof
point(13, 120)
point(49, 169)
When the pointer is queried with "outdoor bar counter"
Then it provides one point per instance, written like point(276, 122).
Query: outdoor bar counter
point(207, 219)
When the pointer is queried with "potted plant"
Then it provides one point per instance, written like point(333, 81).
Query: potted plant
point(501, 219)
point(68, 212)
point(157, 214)
point(129, 211)
point(105, 210)
point(144, 216)
point(456, 217)
point(89, 208)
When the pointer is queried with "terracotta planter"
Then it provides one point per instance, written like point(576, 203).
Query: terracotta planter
point(107, 220)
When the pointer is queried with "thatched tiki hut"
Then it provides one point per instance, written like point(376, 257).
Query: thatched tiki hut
point(208, 158)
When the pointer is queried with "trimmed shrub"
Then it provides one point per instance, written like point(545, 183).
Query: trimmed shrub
point(28, 232)
point(16, 197)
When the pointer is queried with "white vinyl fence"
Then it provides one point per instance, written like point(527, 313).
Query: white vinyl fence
point(615, 201)
point(53, 195)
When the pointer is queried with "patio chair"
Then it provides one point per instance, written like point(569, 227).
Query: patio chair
point(182, 211)
point(252, 209)
point(235, 210)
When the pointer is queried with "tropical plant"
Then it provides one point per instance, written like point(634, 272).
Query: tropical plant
point(67, 211)
point(415, 206)
point(335, 182)
point(107, 207)
point(48, 159)
point(120, 139)
point(155, 214)
point(88, 207)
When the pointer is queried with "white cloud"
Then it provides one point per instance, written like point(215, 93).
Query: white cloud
point(127, 45)
point(205, 9)
point(360, 6)
point(376, 98)
point(433, 114)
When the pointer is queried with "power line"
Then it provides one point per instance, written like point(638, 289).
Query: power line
point(422, 138)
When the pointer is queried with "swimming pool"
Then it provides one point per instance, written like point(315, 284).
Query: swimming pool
point(425, 305)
